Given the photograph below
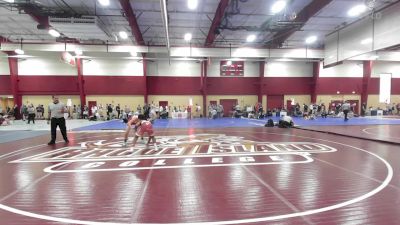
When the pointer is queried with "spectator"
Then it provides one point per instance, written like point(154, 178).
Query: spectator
point(31, 114)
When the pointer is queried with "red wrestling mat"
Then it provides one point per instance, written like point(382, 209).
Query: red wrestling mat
point(218, 176)
point(383, 133)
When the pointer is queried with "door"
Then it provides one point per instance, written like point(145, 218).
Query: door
point(228, 104)
point(163, 103)
point(275, 102)
point(334, 103)
point(289, 107)
point(354, 106)
point(6, 102)
point(90, 105)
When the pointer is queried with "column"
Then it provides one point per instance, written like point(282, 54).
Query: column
point(314, 85)
point(367, 71)
point(81, 83)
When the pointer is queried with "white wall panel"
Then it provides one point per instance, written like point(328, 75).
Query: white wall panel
point(4, 68)
point(331, 48)
point(176, 68)
point(112, 67)
point(288, 69)
point(251, 69)
point(347, 69)
point(387, 27)
point(383, 30)
point(386, 67)
point(45, 63)
point(350, 39)
point(213, 69)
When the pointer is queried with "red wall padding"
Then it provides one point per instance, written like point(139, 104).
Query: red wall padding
point(114, 85)
point(395, 86)
point(48, 85)
point(373, 87)
point(287, 85)
point(5, 85)
point(330, 85)
point(232, 85)
point(129, 85)
point(173, 85)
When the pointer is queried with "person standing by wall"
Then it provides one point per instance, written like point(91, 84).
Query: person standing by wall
point(118, 109)
point(15, 112)
point(56, 116)
point(31, 114)
point(24, 112)
point(346, 108)
point(364, 109)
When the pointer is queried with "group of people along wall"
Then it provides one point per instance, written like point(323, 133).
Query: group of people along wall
point(45, 74)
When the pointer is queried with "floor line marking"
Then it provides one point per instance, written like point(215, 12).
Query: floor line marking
point(136, 213)
point(277, 194)
point(252, 220)
point(365, 131)
point(11, 154)
point(357, 173)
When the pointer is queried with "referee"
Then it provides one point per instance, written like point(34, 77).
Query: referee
point(56, 114)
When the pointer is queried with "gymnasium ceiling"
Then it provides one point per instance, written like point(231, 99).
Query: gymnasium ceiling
point(101, 24)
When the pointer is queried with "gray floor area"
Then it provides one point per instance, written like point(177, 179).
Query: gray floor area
point(20, 130)
point(15, 135)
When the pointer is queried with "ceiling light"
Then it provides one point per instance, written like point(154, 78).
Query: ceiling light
point(374, 57)
point(104, 2)
point(366, 41)
point(188, 37)
point(9, 1)
point(123, 35)
point(338, 92)
point(54, 33)
point(78, 52)
point(278, 6)
point(192, 4)
point(357, 10)
point(19, 51)
point(284, 60)
point(353, 92)
point(133, 53)
point(251, 38)
point(311, 39)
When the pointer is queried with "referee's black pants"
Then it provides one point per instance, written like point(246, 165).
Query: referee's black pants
point(61, 123)
point(346, 111)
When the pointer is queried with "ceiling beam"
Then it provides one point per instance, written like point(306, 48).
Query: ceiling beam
point(130, 15)
point(164, 15)
point(42, 20)
point(219, 14)
point(4, 40)
point(302, 17)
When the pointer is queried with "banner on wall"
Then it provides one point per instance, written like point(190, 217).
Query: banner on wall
point(385, 86)
point(69, 102)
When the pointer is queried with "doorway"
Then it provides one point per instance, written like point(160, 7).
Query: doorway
point(228, 105)
point(354, 106)
point(163, 103)
point(90, 105)
point(275, 102)
point(6, 102)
